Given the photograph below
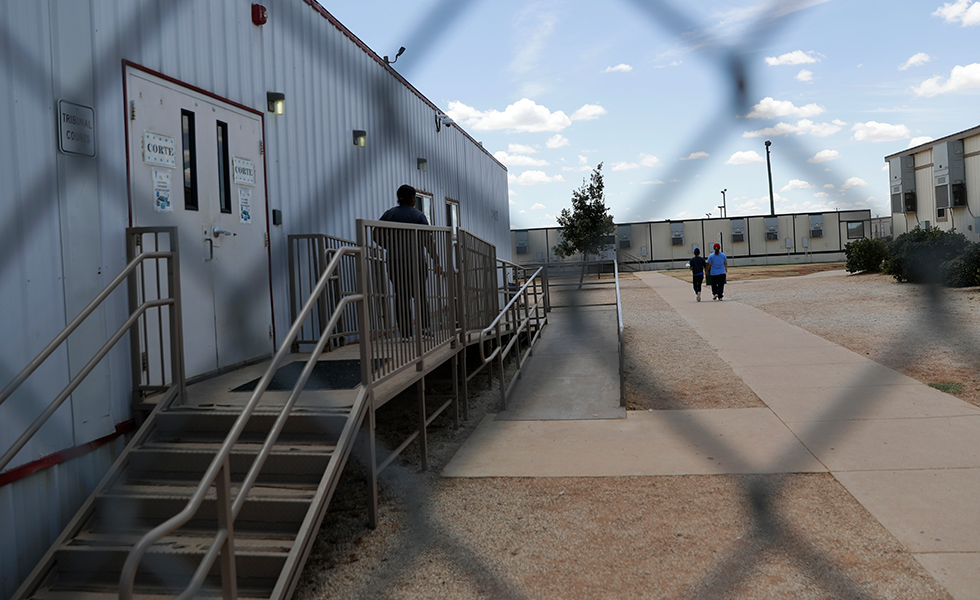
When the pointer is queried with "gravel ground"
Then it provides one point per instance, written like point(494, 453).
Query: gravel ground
point(620, 537)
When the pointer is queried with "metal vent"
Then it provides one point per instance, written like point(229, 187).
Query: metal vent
point(738, 237)
point(910, 202)
point(942, 195)
point(772, 236)
point(624, 244)
point(677, 241)
point(959, 194)
point(816, 233)
point(522, 249)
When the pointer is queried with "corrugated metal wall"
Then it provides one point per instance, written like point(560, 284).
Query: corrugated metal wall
point(319, 180)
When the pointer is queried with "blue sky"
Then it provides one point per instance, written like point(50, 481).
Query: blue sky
point(553, 88)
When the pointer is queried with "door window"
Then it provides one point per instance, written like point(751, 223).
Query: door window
point(190, 159)
point(224, 189)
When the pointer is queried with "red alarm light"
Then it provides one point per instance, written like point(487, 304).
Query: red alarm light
point(259, 14)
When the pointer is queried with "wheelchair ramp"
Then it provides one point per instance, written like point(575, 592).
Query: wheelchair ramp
point(574, 371)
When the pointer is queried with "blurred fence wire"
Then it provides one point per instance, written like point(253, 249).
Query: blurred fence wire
point(770, 526)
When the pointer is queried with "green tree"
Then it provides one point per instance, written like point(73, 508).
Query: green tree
point(585, 227)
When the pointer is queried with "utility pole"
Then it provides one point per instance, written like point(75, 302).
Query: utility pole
point(772, 204)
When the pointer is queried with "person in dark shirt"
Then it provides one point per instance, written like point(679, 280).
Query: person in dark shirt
point(697, 268)
point(400, 247)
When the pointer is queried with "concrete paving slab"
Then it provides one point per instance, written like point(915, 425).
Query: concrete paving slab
point(545, 398)
point(927, 510)
point(861, 445)
point(765, 355)
point(958, 572)
point(675, 442)
point(820, 375)
point(862, 402)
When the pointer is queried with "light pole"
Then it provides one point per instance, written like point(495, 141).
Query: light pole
point(724, 205)
point(772, 204)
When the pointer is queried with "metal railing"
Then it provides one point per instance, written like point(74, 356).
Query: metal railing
point(219, 471)
point(410, 293)
point(526, 305)
point(621, 332)
point(309, 255)
point(134, 273)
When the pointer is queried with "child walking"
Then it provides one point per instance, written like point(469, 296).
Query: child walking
point(697, 268)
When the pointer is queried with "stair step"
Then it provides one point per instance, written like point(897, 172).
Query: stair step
point(184, 464)
point(168, 569)
point(110, 591)
point(126, 513)
point(187, 420)
point(170, 488)
point(197, 540)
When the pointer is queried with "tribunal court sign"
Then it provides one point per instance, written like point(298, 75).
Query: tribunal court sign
point(76, 129)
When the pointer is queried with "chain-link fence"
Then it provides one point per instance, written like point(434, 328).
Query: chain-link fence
point(24, 76)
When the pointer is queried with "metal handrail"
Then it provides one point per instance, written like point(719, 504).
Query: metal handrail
point(227, 509)
point(60, 339)
point(622, 339)
point(496, 322)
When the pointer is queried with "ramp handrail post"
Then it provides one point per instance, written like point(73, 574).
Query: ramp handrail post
point(621, 334)
point(177, 367)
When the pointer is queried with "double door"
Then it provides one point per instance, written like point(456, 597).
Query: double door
point(195, 162)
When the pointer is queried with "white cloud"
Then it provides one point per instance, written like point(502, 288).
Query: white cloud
point(523, 115)
point(522, 212)
point(830, 186)
point(960, 78)
point(802, 127)
point(804, 76)
point(797, 57)
point(557, 141)
point(654, 182)
point(588, 112)
point(520, 149)
point(533, 178)
point(620, 68)
point(824, 156)
point(624, 166)
point(696, 156)
point(744, 158)
point(582, 160)
point(854, 182)
point(649, 160)
point(796, 184)
point(538, 206)
point(768, 108)
point(965, 12)
point(518, 160)
point(917, 60)
point(922, 139)
point(872, 131)
point(821, 195)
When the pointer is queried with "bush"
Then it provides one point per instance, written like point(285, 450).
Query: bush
point(865, 255)
point(917, 256)
point(962, 270)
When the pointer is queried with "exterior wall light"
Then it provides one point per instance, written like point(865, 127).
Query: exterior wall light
point(277, 102)
point(423, 164)
point(360, 138)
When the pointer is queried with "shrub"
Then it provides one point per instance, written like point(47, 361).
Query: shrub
point(962, 270)
point(865, 255)
point(917, 256)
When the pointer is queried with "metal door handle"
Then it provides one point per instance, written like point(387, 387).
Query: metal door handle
point(218, 232)
point(210, 250)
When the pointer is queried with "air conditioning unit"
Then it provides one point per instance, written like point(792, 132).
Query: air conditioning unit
point(772, 229)
point(909, 203)
point(959, 194)
point(738, 230)
point(949, 171)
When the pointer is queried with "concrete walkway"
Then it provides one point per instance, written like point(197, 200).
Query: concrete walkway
point(908, 453)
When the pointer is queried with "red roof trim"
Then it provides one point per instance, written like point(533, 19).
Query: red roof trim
point(333, 20)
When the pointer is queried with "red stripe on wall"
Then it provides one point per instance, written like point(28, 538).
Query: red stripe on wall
point(51, 460)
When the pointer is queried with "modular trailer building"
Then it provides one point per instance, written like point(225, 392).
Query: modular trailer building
point(754, 240)
point(937, 184)
point(238, 123)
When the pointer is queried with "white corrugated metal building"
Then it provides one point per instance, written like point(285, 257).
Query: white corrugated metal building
point(937, 184)
point(104, 102)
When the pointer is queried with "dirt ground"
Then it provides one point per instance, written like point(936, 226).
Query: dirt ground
point(753, 272)
point(786, 536)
